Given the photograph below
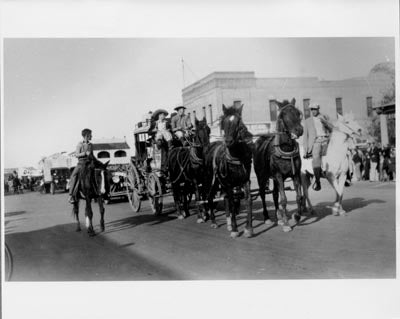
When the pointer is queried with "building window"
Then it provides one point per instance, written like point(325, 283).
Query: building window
point(369, 106)
point(211, 114)
point(306, 108)
point(339, 106)
point(272, 110)
point(120, 154)
point(103, 154)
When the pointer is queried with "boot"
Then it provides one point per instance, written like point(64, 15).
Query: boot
point(317, 174)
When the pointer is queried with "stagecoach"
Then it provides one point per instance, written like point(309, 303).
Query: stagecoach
point(144, 172)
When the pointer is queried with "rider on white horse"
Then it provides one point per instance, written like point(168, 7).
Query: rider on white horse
point(315, 139)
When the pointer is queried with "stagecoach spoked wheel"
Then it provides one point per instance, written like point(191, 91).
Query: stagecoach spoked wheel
point(133, 186)
point(155, 193)
point(133, 196)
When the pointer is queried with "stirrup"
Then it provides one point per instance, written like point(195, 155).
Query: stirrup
point(316, 187)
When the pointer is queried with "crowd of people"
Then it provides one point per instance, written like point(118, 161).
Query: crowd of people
point(374, 163)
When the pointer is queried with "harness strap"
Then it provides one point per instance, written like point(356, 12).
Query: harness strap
point(182, 166)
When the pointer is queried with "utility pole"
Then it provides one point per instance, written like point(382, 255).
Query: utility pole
point(183, 73)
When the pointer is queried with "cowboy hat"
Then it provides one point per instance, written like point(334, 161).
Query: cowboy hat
point(179, 107)
point(158, 112)
point(314, 106)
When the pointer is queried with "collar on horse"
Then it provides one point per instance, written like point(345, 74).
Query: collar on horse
point(278, 152)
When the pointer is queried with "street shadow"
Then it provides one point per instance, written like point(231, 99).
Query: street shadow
point(59, 253)
point(16, 213)
point(140, 219)
point(324, 209)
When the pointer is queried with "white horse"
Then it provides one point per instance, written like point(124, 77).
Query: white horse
point(335, 163)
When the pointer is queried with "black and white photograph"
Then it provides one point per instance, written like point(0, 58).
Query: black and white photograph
point(160, 161)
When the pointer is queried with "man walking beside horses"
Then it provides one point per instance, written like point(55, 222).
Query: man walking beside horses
point(316, 137)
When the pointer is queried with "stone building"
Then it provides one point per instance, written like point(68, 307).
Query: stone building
point(357, 95)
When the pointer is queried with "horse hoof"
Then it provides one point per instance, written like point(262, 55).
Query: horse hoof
point(286, 229)
point(234, 234)
point(214, 225)
point(280, 222)
point(269, 222)
point(200, 221)
point(91, 233)
point(248, 233)
point(296, 217)
point(181, 217)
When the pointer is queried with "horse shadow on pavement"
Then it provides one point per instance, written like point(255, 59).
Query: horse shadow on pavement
point(324, 209)
point(140, 219)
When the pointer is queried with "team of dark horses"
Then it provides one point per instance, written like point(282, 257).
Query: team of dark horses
point(205, 169)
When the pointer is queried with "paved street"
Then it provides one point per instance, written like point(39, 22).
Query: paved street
point(40, 232)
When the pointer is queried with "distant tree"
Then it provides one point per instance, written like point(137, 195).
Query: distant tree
point(374, 125)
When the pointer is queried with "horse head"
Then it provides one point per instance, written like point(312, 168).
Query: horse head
point(235, 131)
point(202, 133)
point(347, 125)
point(289, 119)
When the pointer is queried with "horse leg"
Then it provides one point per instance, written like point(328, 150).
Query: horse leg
point(185, 201)
point(89, 217)
point(285, 224)
point(275, 196)
point(306, 185)
point(101, 208)
point(341, 181)
point(200, 216)
point(233, 212)
point(299, 197)
point(75, 210)
point(333, 181)
point(262, 185)
point(211, 196)
point(248, 231)
point(177, 199)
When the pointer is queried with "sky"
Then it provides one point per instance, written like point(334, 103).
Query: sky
point(55, 87)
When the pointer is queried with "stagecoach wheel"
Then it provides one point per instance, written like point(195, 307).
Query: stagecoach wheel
point(132, 183)
point(133, 196)
point(52, 188)
point(155, 193)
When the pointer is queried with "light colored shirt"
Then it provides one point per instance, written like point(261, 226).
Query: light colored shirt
point(161, 125)
point(179, 122)
point(319, 128)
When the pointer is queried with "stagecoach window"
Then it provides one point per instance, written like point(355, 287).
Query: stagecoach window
point(120, 154)
point(103, 154)
point(306, 108)
point(272, 110)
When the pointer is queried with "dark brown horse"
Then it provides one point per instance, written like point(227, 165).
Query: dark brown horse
point(277, 156)
point(186, 170)
point(228, 166)
point(93, 183)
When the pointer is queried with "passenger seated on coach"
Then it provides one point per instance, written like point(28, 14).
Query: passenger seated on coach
point(162, 128)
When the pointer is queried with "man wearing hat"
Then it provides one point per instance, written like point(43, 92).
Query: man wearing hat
point(181, 123)
point(315, 139)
